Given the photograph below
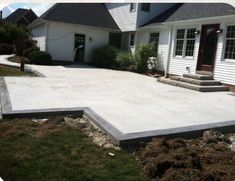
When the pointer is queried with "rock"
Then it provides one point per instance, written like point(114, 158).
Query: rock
point(111, 154)
point(108, 145)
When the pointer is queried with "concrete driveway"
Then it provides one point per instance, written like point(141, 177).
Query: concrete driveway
point(130, 102)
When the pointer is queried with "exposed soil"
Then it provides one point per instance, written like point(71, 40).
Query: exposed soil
point(208, 158)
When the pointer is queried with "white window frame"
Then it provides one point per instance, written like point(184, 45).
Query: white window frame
point(185, 42)
point(224, 43)
point(157, 32)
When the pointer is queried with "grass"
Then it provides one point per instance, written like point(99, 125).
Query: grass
point(52, 151)
point(11, 71)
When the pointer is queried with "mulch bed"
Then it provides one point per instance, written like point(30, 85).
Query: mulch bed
point(208, 158)
point(18, 59)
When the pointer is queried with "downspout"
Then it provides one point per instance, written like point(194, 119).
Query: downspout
point(169, 52)
point(46, 35)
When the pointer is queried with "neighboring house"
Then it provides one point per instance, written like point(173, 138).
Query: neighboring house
point(22, 16)
point(70, 31)
point(188, 37)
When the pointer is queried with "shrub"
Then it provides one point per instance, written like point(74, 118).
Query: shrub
point(105, 56)
point(6, 49)
point(142, 53)
point(29, 50)
point(40, 58)
point(22, 45)
point(125, 61)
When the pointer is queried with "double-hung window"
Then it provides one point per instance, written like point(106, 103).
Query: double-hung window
point(154, 39)
point(230, 43)
point(132, 39)
point(185, 42)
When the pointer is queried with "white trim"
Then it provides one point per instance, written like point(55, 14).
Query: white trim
point(224, 43)
point(186, 28)
point(169, 51)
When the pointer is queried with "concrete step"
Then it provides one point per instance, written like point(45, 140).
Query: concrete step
point(196, 81)
point(198, 76)
point(193, 86)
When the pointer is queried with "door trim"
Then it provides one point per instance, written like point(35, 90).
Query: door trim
point(82, 35)
point(201, 46)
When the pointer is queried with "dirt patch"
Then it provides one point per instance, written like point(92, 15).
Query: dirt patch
point(207, 158)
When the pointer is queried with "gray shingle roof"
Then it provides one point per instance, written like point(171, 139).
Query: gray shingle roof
point(93, 14)
point(17, 14)
point(189, 11)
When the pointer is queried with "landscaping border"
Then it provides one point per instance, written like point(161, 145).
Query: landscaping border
point(27, 68)
point(117, 136)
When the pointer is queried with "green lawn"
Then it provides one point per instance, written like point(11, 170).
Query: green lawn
point(11, 71)
point(54, 151)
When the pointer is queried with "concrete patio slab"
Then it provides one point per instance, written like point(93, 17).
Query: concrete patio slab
point(130, 102)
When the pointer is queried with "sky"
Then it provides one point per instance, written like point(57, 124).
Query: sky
point(38, 8)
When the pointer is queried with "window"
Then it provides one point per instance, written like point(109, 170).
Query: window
point(132, 7)
point(145, 6)
point(185, 41)
point(132, 39)
point(154, 39)
point(230, 43)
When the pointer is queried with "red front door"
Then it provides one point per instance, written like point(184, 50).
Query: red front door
point(208, 46)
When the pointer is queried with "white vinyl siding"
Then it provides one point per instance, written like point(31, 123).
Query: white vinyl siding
point(39, 35)
point(60, 40)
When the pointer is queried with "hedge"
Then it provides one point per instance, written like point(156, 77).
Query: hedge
point(40, 58)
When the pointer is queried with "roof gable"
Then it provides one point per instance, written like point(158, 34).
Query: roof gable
point(17, 14)
point(92, 14)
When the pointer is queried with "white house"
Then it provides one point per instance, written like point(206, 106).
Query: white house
point(189, 37)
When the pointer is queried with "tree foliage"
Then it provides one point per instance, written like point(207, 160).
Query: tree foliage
point(11, 33)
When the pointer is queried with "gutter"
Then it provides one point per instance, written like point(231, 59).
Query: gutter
point(169, 52)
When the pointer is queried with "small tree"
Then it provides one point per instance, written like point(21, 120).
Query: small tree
point(10, 33)
point(16, 35)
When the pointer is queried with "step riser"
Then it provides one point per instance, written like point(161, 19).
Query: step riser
point(198, 77)
point(197, 82)
point(193, 87)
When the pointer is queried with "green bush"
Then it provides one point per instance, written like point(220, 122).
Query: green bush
point(29, 50)
point(125, 61)
point(22, 45)
point(105, 56)
point(40, 58)
point(142, 53)
point(6, 49)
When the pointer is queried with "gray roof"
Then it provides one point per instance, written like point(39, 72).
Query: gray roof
point(92, 14)
point(17, 14)
point(188, 11)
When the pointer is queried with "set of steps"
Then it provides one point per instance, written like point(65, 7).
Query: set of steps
point(197, 82)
